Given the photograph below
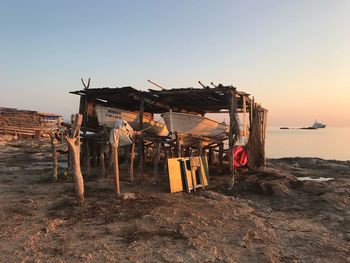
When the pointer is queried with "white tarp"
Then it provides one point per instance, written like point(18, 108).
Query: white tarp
point(122, 132)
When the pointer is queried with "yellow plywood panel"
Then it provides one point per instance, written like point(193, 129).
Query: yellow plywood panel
point(174, 171)
point(176, 182)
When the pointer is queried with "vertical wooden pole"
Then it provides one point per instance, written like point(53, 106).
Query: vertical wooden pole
point(252, 109)
point(231, 134)
point(86, 150)
point(94, 151)
point(264, 124)
point(110, 159)
point(156, 158)
point(87, 157)
point(132, 158)
point(171, 150)
point(126, 154)
point(165, 159)
point(264, 134)
point(187, 151)
point(145, 153)
point(199, 148)
point(140, 137)
point(210, 156)
point(250, 114)
point(54, 155)
point(178, 145)
point(102, 158)
point(230, 137)
point(85, 113)
point(115, 161)
point(221, 155)
point(245, 131)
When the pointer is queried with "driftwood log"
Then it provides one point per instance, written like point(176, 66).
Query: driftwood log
point(73, 142)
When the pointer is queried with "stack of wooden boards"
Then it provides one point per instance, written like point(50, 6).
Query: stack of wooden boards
point(27, 123)
point(188, 173)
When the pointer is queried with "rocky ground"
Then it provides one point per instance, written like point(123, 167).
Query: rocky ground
point(268, 216)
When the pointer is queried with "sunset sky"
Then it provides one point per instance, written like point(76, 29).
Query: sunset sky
point(293, 56)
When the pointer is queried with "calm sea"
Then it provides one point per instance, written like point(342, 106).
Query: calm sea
point(327, 143)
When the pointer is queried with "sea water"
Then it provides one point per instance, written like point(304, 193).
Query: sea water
point(327, 143)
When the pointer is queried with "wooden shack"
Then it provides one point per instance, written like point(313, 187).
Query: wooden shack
point(200, 101)
point(27, 123)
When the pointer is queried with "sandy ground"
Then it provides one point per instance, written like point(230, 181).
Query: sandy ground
point(267, 217)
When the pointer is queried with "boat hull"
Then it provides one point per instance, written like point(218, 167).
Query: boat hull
point(318, 125)
point(108, 116)
point(192, 127)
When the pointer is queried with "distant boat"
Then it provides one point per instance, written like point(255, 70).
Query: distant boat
point(108, 116)
point(192, 126)
point(318, 125)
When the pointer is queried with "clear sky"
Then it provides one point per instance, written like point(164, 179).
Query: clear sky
point(294, 56)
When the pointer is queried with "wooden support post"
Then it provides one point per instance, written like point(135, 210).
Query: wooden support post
point(231, 134)
point(54, 143)
point(171, 150)
point(200, 149)
point(102, 158)
point(145, 153)
point(132, 158)
point(94, 152)
point(126, 151)
point(210, 156)
point(252, 106)
point(114, 145)
point(73, 142)
point(86, 157)
point(187, 151)
point(85, 104)
point(140, 137)
point(178, 145)
point(110, 158)
point(221, 155)
point(83, 110)
point(165, 159)
point(264, 124)
point(156, 158)
point(245, 129)
point(140, 153)
point(264, 134)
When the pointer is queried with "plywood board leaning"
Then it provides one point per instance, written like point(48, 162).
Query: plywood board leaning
point(179, 166)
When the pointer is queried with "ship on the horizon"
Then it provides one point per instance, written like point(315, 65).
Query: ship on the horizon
point(318, 125)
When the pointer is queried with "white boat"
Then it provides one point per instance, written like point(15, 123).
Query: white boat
point(317, 125)
point(195, 126)
point(108, 116)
